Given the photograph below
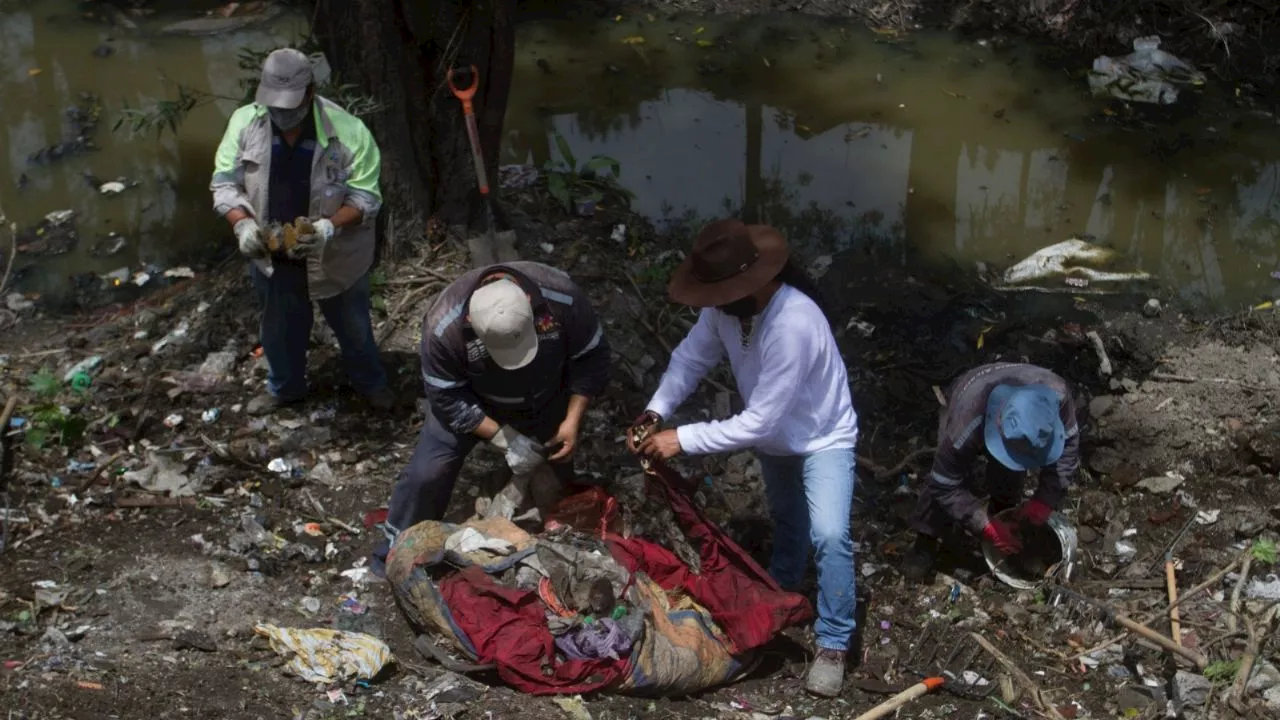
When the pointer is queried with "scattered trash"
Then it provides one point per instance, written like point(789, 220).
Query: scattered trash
point(619, 233)
point(280, 466)
point(328, 656)
point(173, 421)
point(573, 706)
point(547, 248)
point(1147, 75)
point(1163, 484)
point(1126, 551)
point(210, 416)
point(180, 272)
point(517, 177)
point(162, 474)
point(89, 366)
point(584, 208)
point(1267, 588)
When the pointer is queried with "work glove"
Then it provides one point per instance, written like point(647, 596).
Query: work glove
point(313, 236)
point(523, 454)
point(998, 533)
point(253, 244)
point(1035, 511)
point(641, 428)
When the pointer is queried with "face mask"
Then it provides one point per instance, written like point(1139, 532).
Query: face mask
point(741, 309)
point(289, 119)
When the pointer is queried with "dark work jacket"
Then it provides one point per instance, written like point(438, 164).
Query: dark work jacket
point(961, 443)
point(463, 383)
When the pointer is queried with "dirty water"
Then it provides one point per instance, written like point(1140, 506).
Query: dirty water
point(51, 59)
point(928, 148)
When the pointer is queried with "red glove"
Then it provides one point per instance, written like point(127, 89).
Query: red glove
point(1035, 512)
point(999, 534)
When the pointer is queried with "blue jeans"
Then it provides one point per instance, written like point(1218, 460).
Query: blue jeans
point(811, 500)
point(287, 316)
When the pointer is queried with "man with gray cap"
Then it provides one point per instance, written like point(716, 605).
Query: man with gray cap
point(511, 355)
point(1022, 418)
point(294, 157)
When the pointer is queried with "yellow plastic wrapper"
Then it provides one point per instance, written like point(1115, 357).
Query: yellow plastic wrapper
point(326, 657)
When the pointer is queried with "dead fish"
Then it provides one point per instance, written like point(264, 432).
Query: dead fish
point(1072, 257)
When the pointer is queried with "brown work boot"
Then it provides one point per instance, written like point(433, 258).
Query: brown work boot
point(826, 677)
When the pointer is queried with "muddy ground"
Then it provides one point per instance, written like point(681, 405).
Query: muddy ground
point(119, 603)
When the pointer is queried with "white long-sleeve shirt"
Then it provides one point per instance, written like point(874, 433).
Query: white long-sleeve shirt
point(790, 373)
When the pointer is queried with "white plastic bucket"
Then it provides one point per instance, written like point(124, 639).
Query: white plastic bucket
point(1067, 542)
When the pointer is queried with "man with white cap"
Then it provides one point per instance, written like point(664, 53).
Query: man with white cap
point(1022, 418)
point(511, 355)
point(294, 157)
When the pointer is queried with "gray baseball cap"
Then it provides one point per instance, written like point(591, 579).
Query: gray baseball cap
point(285, 77)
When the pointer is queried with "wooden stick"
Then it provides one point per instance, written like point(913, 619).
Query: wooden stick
point(1137, 628)
point(7, 413)
point(1210, 582)
point(1175, 624)
point(888, 707)
point(1250, 656)
point(1033, 691)
point(1233, 621)
point(89, 481)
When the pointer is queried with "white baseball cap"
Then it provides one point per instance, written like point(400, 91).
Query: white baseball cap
point(502, 317)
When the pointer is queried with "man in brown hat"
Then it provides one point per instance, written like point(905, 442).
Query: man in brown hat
point(763, 314)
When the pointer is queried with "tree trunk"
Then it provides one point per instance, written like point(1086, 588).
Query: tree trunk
point(399, 52)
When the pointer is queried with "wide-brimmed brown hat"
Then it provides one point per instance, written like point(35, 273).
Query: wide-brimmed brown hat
point(729, 261)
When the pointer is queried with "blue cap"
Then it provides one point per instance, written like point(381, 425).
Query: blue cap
point(1023, 428)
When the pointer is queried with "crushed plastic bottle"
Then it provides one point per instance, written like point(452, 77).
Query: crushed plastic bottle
point(87, 367)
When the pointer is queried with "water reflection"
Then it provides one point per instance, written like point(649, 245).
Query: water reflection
point(46, 64)
point(923, 151)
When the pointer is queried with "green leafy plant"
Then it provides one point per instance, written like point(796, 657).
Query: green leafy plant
point(1265, 551)
point(50, 421)
point(1222, 672)
point(594, 180)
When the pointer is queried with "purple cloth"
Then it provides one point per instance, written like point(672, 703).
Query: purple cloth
point(597, 641)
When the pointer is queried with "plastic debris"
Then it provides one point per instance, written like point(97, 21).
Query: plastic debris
point(1148, 74)
point(1126, 551)
point(173, 421)
point(1263, 588)
point(618, 234)
point(517, 177)
point(163, 474)
point(279, 466)
point(180, 272)
point(328, 656)
point(211, 415)
point(88, 366)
